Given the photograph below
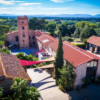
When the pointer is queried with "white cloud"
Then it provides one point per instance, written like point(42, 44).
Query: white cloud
point(3, 8)
point(61, 1)
point(24, 8)
point(11, 2)
point(55, 8)
point(29, 4)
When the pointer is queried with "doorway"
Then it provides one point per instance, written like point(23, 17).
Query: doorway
point(91, 70)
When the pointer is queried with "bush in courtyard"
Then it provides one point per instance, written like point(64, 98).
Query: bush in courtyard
point(5, 50)
point(98, 79)
point(86, 80)
point(23, 91)
point(1, 92)
point(1, 43)
point(69, 39)
point(67, 76)
point(61, 88)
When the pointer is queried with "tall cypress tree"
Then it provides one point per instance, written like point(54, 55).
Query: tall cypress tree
point(59, 58)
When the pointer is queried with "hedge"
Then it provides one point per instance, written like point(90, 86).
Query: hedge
point(80, 45)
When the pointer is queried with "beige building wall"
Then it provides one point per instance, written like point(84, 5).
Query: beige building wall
point(80, 74)
point(98, 70)
point(23, 40)
point(32, 39)
point(11, 36)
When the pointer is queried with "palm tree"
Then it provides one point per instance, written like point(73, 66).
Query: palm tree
point(23, 91)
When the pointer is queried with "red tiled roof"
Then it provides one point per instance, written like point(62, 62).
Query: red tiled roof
point(12, 32)
point(43, 37)
point(73, 54)
point(94, 40)
point(10, 67)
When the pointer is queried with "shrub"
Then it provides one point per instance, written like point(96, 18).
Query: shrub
point(69, 39)
point(86, 80)
point(53, 75)
point(98, 78)
point(5, 50)
point(61, 88)
point(67, 77)
point(1, 43)
point(80, 45)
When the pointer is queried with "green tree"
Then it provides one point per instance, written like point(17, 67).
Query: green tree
point(71, 29)
point(59, 58)
point(85, 24)
point(76, 33)
point(63, 29)
point(35, 23)
point(1, 43)
point(51, 26)
point(5, 50)
point(57, 21)
point(23, 91)
point(87, 32)
point(67, 77)
point(1, 92)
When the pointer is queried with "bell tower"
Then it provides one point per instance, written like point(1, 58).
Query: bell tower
point(23, 31)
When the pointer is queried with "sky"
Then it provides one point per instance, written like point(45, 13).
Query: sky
point(33, 7)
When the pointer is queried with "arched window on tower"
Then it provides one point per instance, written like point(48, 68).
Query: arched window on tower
point(23, 34)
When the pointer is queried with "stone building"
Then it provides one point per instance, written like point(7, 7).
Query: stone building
point(93, 44)
point(10, 68)
point(23, 37)
point(85, 63)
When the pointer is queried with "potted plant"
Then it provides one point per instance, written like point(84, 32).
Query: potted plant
point(86, 81)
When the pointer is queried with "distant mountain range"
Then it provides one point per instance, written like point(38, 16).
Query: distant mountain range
point(59, 15)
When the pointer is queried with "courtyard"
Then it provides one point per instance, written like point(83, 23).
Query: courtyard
point(24, 50)
point(45, 84)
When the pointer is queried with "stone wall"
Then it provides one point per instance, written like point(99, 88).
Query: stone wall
point(11, 36)
point(23, 40)
point(32, 39)
point(80, 74)
point(6, 84)
point(98, 70)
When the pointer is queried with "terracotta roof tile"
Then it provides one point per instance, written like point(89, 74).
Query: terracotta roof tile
point(94, 40)
point(73, 54)
point(11, 67)
point(44, 37)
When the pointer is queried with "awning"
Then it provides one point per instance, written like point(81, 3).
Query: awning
point(28, 63)
point(49, 59)
point(42, 50)
point(47, 66)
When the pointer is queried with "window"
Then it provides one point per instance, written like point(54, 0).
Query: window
point(33, 37)
point(33, 43)
point(23, 28)
point(22, 21)
point(29, 37)
point(23, 34)
point(16, 38)
point(23, 40)
point(23, 44)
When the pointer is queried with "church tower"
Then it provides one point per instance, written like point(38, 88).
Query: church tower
point(23, 31)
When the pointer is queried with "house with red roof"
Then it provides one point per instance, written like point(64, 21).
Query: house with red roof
point(85, 63)
point(93, 44)
point(10, 68)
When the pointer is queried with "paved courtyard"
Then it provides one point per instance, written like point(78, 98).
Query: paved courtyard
point(26, 51)
point(49, 90)
point(46, 85)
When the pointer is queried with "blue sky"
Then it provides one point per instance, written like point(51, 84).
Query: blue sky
point(32, 7)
